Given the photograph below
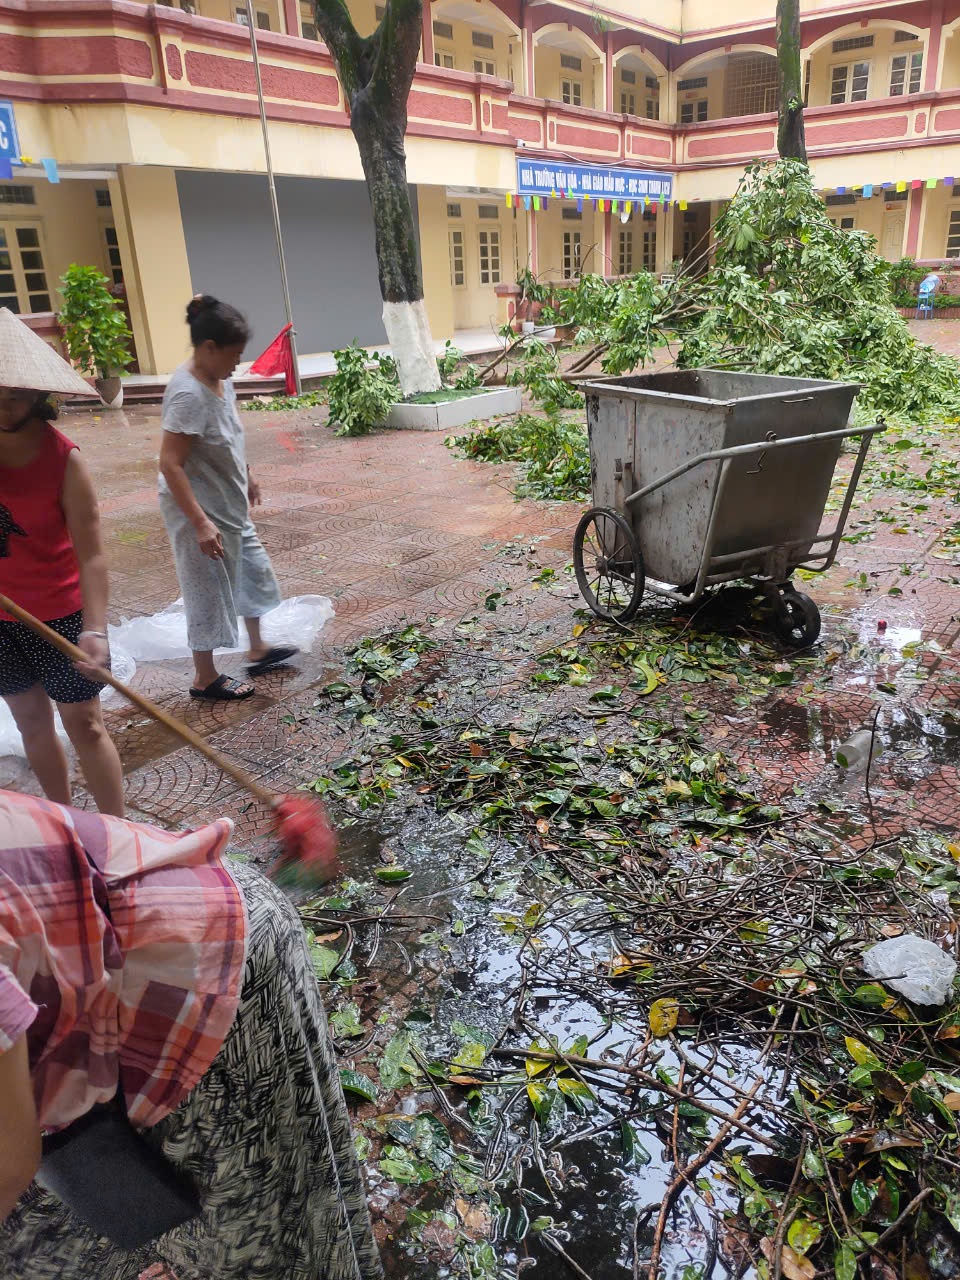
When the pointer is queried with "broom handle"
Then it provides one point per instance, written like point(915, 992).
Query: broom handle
point(170, 722)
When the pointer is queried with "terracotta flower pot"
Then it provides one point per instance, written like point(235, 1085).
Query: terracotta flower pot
point(110, 391)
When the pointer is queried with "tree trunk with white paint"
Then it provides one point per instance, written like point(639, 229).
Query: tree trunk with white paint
point(376, 73)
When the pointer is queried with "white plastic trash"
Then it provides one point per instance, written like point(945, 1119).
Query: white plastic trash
point(913, 967)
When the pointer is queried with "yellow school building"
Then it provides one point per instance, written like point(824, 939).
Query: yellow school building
point(139, 133)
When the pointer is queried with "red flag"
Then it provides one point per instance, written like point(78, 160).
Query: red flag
point(278, 358)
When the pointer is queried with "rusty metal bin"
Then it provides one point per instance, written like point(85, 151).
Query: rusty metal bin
point(700, 476)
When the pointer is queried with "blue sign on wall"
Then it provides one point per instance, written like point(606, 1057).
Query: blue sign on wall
point(558, 177)
point(9, 143)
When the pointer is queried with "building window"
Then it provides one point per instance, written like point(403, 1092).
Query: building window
point(849, 82)
point(103, 198)
point(457, 273)
point(750, 85)
point(12, 194)
point(489, 256)
point(571, 255)
point(442, 59)
point(571, 91)
point(309, 31)
point(849, 43)
point(628, 76)
point(953, 235)
point(454, 210)
point(570, 62)
point(443, 30)
point(625, 253)
point(483, 68)
point(652, 106)
point(694, 111)
point(491, 211)
point(262, 19)
point(23, 277)
point(845, 224)
point(571, 215)
point(905, 37)
point(628, 103)
point(688, 86)
point(648, 256)
point(481, 39)
point(906, 73)
point(113, 254)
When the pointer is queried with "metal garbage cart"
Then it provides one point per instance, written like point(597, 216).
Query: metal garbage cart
point(700, 476)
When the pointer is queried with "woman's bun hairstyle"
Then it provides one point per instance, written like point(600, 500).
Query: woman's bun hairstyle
point(213, 321)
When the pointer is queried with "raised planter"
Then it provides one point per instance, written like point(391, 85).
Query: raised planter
point(447, 414)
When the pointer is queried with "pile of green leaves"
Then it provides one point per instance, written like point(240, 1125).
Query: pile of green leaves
point(277, 404)
point(553, 451)
point(362, 390)
point(538, 372)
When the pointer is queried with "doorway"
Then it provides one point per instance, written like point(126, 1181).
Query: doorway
point(891, 243)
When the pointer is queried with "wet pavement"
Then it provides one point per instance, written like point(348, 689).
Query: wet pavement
point(396, 528)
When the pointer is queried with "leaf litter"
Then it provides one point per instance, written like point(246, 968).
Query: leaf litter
point(634, 984)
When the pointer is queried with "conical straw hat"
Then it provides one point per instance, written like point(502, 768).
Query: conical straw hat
point(26, 361)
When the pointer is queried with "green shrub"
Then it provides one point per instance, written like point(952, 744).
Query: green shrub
point(554, 454)
point(362, 390)
point(94, 327)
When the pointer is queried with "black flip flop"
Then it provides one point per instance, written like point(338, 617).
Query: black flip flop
point(275, 657)
point(223, 689)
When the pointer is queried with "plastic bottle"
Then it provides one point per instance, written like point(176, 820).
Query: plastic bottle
point(854, 753)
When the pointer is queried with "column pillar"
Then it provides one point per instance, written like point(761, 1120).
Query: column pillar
point(934, 45)
point(532, 245)
point(435, 260)
point(530, 88)
point(607, 267)
point(608, 73)
point(914, 214)
point(666, 229)
point(146, 211)
point(290, 17)
point(426, 32)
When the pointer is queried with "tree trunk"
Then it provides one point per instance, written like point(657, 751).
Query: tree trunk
point(791, 142)
point(376, 73)
point(380, 142)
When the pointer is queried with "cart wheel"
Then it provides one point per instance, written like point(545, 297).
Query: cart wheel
point(797, 621)
point(608, 564)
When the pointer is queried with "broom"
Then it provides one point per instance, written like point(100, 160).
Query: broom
point(308, 843)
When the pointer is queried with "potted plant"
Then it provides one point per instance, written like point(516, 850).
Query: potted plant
point(95, 331)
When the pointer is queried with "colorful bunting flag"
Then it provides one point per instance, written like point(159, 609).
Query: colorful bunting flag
point(867, 190)
point(931, 183)
point(841, 191)
point(509, 200)
point(683, 204)
point(615, 206)
point(526, 203)
point(536, 204)
point(50, 169)
point(915, 184)
point(6, 168)
point(901, 185)
point(580, 205)
point(628, 208)
point(948, 182)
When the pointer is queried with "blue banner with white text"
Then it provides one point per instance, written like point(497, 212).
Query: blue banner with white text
point(605, 182)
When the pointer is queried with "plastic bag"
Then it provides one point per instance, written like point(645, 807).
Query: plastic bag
point(163, 636)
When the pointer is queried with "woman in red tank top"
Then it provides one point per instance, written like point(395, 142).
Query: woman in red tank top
point(53, 564)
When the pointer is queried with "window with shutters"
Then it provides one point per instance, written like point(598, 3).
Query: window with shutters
point(628, 76)
point(491, 211)
point(481, 39)
point(648, 255)
point(570, 215)
point(570, 62)
point(953, 235)
point(489, 242)
point(454, 210)
point(571, 91)
point(113, 254)
point(443, 59)
point(103, 198)
point(906, 73)
point(628, 103)
point(688, 86)
point(23, 275)
point(625, 252)
point(571, 255)
point(694, 112)
point(482, 67)
point(652, 108)
point(457, 272)
point(443, 30)
point(849, 82)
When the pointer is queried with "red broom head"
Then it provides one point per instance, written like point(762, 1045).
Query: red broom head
point(308, 854)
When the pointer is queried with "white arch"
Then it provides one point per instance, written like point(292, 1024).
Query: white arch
point(856, 29)
point(570, 30)
point(644, 55)
point(509, 27)
point(712, 54)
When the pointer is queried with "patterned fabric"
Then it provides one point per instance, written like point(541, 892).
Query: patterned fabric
point(145, 997)
point(27, 659)
point(38, 565)
point(265, 1135)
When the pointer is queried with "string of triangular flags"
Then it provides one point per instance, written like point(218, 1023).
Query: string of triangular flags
point(864, 189)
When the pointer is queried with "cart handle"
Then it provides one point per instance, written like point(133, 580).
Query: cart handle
point(748, 450)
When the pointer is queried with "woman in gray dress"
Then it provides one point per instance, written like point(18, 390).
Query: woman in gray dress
point(206, 492)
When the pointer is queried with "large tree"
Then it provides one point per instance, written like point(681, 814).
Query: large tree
point(791, 142)
point(376, 73)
